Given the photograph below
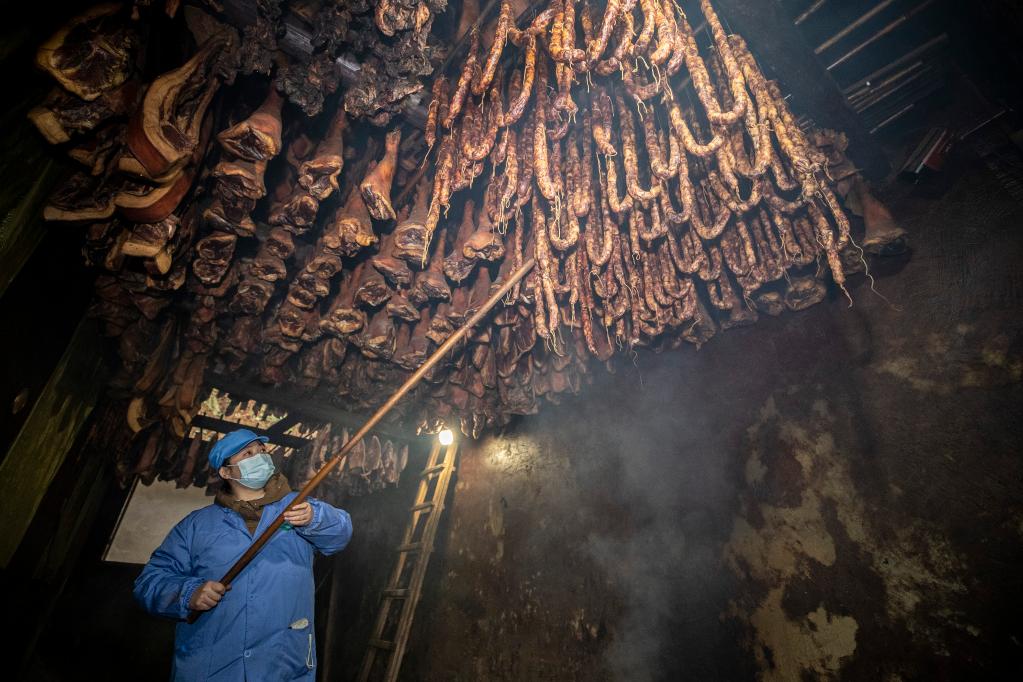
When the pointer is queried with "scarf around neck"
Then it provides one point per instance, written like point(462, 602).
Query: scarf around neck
point(251, 510)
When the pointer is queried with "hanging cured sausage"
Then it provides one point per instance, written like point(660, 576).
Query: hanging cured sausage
point(658, 178)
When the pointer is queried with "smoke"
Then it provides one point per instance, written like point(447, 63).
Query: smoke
point(674, 498)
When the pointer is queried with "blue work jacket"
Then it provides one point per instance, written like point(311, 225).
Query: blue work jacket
point(262, 629)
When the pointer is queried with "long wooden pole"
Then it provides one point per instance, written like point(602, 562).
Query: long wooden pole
point(409, 384)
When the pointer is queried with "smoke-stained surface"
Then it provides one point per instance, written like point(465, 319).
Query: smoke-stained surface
point(676, 493)
point(586, 544)
point(830, 495)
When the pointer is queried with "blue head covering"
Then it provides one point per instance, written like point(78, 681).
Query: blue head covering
point(230, 444)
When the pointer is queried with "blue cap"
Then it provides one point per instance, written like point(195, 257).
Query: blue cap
point(230, 444)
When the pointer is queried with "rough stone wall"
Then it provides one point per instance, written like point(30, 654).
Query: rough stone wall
point(829, 495)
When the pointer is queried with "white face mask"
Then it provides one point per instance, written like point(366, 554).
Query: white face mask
point(255, 471)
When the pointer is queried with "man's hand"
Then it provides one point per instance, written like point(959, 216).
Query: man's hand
point(299, 515)
point(207, 596)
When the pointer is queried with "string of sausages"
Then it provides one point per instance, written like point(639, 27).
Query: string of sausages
point(647, 203)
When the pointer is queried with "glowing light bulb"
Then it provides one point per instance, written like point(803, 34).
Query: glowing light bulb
point(446, 437)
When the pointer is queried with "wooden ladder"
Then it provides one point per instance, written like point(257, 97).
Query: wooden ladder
point(399, 599)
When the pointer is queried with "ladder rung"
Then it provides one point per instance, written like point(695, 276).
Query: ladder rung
point(423, 548)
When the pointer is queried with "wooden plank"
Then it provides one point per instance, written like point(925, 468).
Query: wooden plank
point(76, 516)
point(28, 171)
point(42, 444)
point(22, 227)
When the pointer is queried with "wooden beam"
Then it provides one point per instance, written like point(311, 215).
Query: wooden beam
point(306, 405)
point(22, 227)
point(31, 167)
point(46, 436)
point(208, 423)
point(783, 53)
point(52, 546)
point(284, 424)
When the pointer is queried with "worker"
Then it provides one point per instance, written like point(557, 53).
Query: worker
point(260, 627)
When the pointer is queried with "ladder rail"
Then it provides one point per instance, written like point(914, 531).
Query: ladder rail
point(393, 581)
point(407, 537)
point(419, 571)
point(419, 552)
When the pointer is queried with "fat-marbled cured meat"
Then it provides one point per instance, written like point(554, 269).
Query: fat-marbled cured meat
point(656, 214)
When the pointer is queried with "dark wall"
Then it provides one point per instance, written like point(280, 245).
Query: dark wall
point(88, 624)
point(834, 492)
point(44, 287)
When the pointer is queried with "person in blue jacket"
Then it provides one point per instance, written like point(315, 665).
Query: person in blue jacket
point(260, 628)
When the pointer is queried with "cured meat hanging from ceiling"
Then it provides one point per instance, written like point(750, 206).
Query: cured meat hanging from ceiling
point(257, 219)
point(300, 446)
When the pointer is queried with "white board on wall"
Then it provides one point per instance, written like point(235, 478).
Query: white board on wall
point(148, 515)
